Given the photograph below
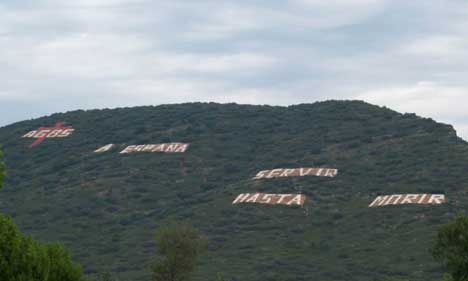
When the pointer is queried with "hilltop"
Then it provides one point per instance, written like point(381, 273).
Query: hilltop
point(105, 207)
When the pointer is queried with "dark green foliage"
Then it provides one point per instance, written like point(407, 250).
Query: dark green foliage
point(105, 207)
point(2, 169)
point(21, 258)
point(451, 248)
point(24, 259)
point(61, 265)
point(179, 246)
point(106, 276)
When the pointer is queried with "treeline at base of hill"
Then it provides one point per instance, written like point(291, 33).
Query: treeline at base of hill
point(24, 259)
point(179, 248)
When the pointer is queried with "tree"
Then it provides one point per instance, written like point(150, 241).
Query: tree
point(20, 257)
point(451, 248)
point(179, 246)
point(61, 264)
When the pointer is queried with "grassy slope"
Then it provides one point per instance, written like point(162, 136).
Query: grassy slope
point(106, 207)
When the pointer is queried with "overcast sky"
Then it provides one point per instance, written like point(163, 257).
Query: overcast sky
point(410, 55)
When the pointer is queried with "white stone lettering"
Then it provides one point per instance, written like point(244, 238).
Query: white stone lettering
point(128, 149)
point(402, 199)
point(397, 197)
point(171, 147)
point(30, 134)
point(241, 198)
point(274, 173)
point(54, 134)
point(304, 171)
point(162, 147)
point(182, 148)
point(437, 199)
point(104, 148)
point(272, 199)
point(260, 175)
point(297, 172)
point(287, 172)
point(281, 197)
point(379, 201)
point(410, 199)
point(65, 133)
point(42, 133)
point(266, 198)
point(296, 200)
point(253, 198)
point(331, 173)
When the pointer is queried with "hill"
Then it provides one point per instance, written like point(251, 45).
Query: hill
point(105, 207)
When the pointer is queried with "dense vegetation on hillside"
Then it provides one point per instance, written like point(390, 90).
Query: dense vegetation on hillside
point(106, 207)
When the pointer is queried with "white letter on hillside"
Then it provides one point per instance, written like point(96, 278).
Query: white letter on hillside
point(331, 173)
point(42, 133)
point(397, 196)
point(437, 199)
point(302, 173)
point(274, 173)
point(379, 201)
point(30, 134)
point(128, 149)
point(104, 148)
point(54, 134)
point(296, 200)
point(260, 175)
point(66, 133)
point(253, 199)
point(266, 199)
point(410, 199)
point(287, 172)
point(281, 197)
point(182, 147)
point(241, 198)
point(159, 148)
point(171, 147)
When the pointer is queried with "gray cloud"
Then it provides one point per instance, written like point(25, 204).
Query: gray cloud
point(63, 55)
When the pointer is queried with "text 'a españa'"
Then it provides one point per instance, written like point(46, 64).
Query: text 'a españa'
point(174, 147)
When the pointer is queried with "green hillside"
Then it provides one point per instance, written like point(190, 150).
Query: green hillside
point(106, 207)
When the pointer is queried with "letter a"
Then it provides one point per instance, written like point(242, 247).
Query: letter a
point(182, 147)
point(104, 148)
point(30, 134)
point(296, 200)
